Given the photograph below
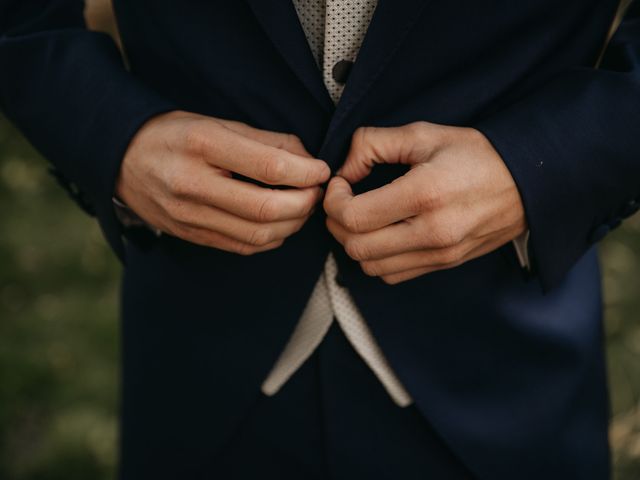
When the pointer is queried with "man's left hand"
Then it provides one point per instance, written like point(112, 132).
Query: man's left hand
point(457, 202)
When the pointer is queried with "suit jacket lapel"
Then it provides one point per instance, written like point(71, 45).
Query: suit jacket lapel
point(390, 25)
point(280, 22)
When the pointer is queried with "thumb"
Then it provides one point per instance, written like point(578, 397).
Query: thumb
point(338, 195)
point(284, 141)
point(375, 145)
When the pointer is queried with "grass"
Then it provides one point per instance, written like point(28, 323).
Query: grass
point(58, 328)
point(59, 331)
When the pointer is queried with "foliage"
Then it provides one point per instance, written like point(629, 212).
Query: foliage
point(58, 330)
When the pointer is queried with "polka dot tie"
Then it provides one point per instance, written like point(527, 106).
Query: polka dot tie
point(335, 30)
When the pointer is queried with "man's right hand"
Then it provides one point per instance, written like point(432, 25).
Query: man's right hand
point(177, 176)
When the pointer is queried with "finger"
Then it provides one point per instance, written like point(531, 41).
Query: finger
point(455, 259)
point(240, 229)
point(431, 258)
point(338, 197)
point(267, 164)
point(377, 208)
point(408, 275)
point(253, 202)
point(395, 239)
point(374, 145)
point(207, 238)
point(371, 146)
point(284, 141)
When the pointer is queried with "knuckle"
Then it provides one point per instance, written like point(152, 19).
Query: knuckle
point(418, 127)
point(293, 142)
point(355, 249)
point(475, 135)
point(174, 181)
point(261, 237)
point(350, 220)
point(444, 236)
point(308, 205)
point(267, 210)
point(176, 210)
point(390, 280)
point(197, 236)
point(194, 139)
point(439, 239)
point(431, 135)
point(449, 256)
point(418, 238)
point(277, 244)
point(180, 231)
point(274, 169)
point(209, 241)
point(427, 199)
point(360, 136)
point(243, 249)
point(370, 268)
point(310, 176)
point(298, 225)
point(183, 181)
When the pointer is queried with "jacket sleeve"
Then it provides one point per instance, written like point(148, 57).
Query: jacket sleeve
point(67, 89)
point(573, 148)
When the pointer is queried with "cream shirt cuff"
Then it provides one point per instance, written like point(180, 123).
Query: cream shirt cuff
point(129, 218)
point(521, 245)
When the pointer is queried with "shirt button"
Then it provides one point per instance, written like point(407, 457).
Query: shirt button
point(341, 70)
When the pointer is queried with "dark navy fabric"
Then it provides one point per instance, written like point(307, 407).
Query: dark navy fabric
point(333, 420)
point(507, 367)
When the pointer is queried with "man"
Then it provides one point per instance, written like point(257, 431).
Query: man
point(491, 121)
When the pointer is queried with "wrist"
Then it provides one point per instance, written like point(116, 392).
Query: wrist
point(128, 218)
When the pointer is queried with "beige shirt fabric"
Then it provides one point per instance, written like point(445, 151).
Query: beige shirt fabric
point(335, 30)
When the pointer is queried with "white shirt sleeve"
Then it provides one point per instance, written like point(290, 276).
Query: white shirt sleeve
point(521, 245)
point(129, 218)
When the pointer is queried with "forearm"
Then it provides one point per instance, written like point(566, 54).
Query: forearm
point(70, 94)
point(573, 149)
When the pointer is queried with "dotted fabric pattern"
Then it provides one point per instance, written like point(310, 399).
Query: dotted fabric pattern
point(311, 14)
point(335, 30)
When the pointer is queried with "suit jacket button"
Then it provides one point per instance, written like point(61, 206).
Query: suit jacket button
point(341, 70)
point(599, 233)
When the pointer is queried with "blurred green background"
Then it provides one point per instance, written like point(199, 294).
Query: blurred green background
point(59, 329)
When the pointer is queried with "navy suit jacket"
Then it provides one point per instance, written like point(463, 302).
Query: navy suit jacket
point(508, 369)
